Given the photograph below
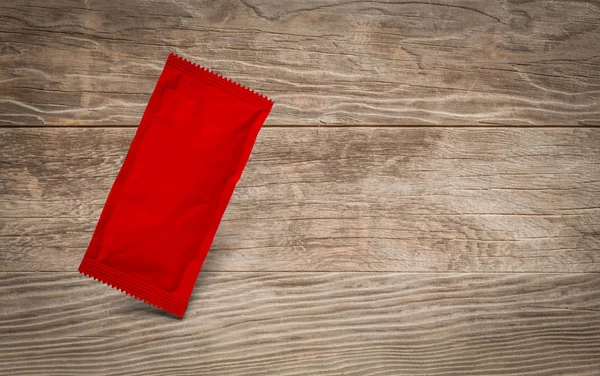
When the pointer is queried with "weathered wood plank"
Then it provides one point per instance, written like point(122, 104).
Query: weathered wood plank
point(359, 199)
point(67, 62)
point(307, 323)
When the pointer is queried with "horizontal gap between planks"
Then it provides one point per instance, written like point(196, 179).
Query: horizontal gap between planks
point(482, 126)
point(319, 272)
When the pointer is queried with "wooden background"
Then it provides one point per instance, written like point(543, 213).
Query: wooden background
point(423, 200)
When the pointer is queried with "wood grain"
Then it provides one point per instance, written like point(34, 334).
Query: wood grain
point(451, 62)
point(375, 248)
point(348, 199)
point(307, 323)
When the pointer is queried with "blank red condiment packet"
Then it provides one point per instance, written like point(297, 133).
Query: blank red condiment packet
point(166, 203)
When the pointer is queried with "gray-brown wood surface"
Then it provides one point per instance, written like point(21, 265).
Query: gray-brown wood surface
point(423, 200)
point(323, 62)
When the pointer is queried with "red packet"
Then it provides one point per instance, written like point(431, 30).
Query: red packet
point(166, 203)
